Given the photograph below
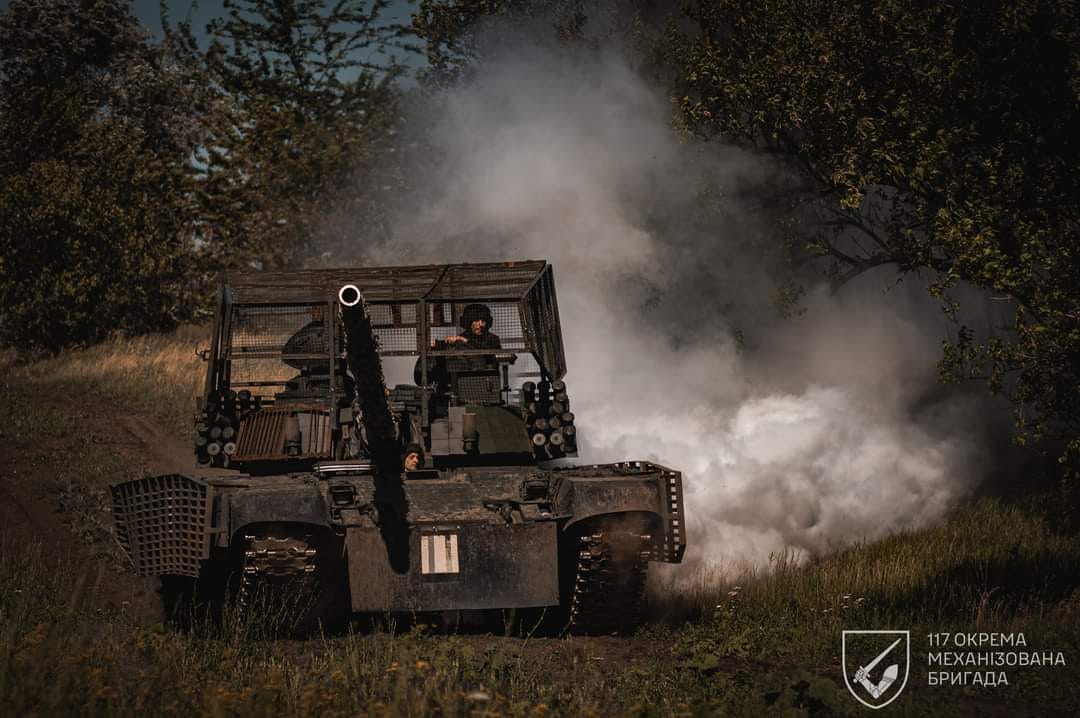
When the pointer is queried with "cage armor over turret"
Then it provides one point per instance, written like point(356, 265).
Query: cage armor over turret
point(301, 439)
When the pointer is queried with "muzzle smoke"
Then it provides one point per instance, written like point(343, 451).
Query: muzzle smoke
point(818, 433)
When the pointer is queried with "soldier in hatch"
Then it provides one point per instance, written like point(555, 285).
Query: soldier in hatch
point(413, 457)
point(475, 322)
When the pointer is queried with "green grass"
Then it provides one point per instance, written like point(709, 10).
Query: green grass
point(991, 567)
point(763, 642)
point(58, 660)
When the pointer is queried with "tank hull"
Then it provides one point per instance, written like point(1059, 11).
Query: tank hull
point(471, 538)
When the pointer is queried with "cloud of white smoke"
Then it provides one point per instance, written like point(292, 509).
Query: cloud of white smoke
point(814, 436)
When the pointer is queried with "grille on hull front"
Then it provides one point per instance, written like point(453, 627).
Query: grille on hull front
point(162, 522)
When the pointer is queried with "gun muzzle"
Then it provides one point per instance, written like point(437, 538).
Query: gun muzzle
point(349, 295)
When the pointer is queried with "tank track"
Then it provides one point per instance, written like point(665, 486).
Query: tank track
point(278, 578)
point(609, 582)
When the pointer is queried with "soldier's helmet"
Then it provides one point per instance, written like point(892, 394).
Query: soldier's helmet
point(472, 312)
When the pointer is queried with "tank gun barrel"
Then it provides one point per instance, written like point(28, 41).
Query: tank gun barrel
point(362, 356)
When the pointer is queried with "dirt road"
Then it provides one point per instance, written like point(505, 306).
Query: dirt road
point(56, 460)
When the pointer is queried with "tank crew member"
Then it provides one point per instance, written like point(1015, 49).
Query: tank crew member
point(475, 322)
point(413, 457)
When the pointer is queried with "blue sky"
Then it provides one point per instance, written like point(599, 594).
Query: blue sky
point(148, 12)
point(200, 13)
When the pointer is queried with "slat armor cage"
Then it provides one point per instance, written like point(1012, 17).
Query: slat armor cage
point(162, 523)
point(409, 307)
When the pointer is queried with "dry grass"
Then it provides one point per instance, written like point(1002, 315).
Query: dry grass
point(158, 375)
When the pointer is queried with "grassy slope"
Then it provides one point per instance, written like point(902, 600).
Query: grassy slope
point(758, 643)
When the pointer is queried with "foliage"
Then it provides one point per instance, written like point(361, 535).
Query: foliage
point(935, 137)
point(132, 172)
point(310, 104)
point(94, 213)
point(457, 33)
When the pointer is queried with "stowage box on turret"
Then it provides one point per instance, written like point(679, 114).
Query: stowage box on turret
point(386, 437)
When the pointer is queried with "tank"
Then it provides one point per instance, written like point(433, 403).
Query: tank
point(399, 439)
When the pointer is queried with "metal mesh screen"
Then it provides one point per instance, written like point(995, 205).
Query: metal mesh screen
point(280, 352)
point(280, 331)
point(395, 327)
point(542, 320)
point(485, 281)
point(293, 329)
point(396, 340)
point(446, 321)
point(162, 523)
point(477, 387)
point(449, 282)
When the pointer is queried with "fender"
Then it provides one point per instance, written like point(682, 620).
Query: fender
point(301, 504)
point(586, 498)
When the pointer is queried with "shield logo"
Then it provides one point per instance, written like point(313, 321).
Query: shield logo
point(873, 663)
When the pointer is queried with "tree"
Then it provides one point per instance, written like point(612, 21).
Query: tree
point(452, 29)
point(311, 106)
point(934, 137)
point(94, 214)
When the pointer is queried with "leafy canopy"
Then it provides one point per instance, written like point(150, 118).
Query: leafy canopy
point(309, 101)
point(94, 232)
point(938, 137)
